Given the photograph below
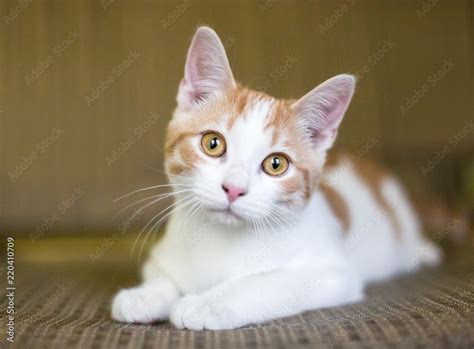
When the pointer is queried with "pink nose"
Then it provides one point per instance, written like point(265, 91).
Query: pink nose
point(233, 192)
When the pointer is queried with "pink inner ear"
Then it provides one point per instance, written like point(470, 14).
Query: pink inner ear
point(185, 98)
point(191, 75)
point(190, 93)
point(334, 113)
point(207, 70)
point(190, 84)
point(319, 136)
point(323, 108)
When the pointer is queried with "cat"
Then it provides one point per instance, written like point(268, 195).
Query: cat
point(265, 224)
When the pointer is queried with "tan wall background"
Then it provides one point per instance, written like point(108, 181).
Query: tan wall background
point(54, 54)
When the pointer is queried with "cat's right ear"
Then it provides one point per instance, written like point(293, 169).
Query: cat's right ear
point(207, 71)
point(321, 110)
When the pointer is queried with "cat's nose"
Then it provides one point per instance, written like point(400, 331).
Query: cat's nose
point(233, 192)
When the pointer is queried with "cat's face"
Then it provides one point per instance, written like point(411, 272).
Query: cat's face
point(241, 155)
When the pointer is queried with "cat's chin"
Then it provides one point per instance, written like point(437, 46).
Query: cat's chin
point(225, 216)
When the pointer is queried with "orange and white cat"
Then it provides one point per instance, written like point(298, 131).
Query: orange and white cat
point(264, 226)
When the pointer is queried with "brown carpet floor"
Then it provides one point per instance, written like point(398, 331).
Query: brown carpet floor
point(63, 302)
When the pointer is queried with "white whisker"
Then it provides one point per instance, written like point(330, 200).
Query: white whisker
point(152, 187)
point(156, 216)
point(160, 196)
point(194, 209)
point(279, 219)
point(155, 169)
point(158, 223)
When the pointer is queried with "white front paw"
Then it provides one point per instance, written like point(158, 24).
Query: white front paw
point(197, 312)
point(135, 306)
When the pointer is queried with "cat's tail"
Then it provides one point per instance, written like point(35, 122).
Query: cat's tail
point(443, 222)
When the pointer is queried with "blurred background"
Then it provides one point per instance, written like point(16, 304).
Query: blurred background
point(88, 87)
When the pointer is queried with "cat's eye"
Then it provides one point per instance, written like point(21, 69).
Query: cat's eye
point(275, 164)
point(213, 144)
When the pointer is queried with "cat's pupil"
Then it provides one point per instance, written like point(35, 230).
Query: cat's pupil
point(213, 143)
point(275, 163)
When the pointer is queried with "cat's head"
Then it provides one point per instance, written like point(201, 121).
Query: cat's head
point(241, 154)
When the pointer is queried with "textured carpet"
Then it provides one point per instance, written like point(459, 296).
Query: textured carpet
point(66, 305)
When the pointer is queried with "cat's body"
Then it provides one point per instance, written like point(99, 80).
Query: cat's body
point(257, 236)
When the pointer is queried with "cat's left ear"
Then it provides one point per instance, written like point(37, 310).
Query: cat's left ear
point(321, 110)
point(207, 71)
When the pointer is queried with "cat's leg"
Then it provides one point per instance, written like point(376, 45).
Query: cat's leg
point(147, 303)
point(262, 297)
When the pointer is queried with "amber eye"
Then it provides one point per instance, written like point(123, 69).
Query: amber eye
point(213, 144)
point(275, 164)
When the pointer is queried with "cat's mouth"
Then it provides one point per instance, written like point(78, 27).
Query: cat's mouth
point(226, 215)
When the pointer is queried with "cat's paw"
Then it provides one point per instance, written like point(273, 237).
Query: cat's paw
point(135, 306)
point(197, 312)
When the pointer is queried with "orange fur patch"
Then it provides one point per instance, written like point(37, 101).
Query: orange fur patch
point(337, 204)
point(188, 153)
point(283, 123)
point(176, 169)
point(174, 141)
point(372, 175)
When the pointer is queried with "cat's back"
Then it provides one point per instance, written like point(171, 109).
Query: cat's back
point(380, 228)
point(349, 180)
